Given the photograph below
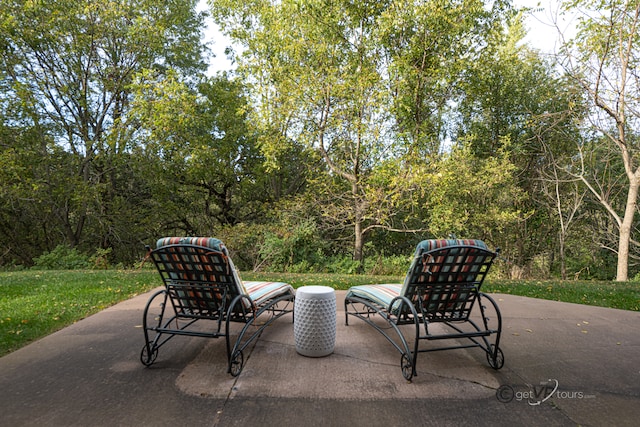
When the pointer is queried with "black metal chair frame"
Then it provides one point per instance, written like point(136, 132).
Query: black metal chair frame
point(200, 285)
point(444, 288)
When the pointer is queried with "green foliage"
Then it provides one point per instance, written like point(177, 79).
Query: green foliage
point(66, 74)
point(369, 99)
point(64, 257)
point(351, 131)
point(296, 250)
point(586, 264)
point(100, 259)
point(61, 258)
point(473, 196)
point(387, 265)
point(600, 58)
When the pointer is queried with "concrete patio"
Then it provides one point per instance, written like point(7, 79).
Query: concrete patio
point(565, 364)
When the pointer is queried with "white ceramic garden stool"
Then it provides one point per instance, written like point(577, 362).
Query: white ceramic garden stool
point(314, 320)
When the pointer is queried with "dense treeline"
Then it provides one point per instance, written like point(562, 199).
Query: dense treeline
point(349, 131)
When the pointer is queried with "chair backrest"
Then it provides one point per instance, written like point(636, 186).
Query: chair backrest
point(445, 277)
point(198, 274)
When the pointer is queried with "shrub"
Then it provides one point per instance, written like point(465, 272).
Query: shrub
point(100, 260)
point(244, 242)
point(296, 249)
point(394, 265)
point(62, 257)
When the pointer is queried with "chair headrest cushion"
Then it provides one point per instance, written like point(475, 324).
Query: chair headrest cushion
point(428, 245)
point(207, 242)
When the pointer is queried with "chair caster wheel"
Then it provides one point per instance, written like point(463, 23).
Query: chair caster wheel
point(236, 364)
point(496, 362)
point(146, 358)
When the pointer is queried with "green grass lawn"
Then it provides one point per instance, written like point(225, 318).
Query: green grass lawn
point(34, 304)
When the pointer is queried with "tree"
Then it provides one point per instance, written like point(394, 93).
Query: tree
point(343, 80)
point(433, 46)
point(317, 75)
point(211, 172)
point(511, 92)
point(566, 199)
point(472, 195)
point(603, 59)
point(70, 64)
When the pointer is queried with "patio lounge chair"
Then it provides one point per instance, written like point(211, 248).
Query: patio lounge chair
point(442, 286)
point(201, 285)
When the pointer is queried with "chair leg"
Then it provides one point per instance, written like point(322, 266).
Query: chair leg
point(235, 357)
point(495, 356)
point(235, 353)
point(151, 321)
point(398, 340)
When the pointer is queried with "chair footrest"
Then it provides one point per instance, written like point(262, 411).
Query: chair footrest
point(189, 333)
point(460, 335)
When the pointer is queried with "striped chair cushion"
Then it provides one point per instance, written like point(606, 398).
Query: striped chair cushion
point(383, 294)
point(207, 242)
point(380, 294)
point(427, 245)
point(259, 292)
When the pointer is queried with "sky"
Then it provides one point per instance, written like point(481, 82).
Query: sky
point(542, 33)
point(217, 43)
point(545, 23)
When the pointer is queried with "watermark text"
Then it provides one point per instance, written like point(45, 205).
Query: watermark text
point(536, 395)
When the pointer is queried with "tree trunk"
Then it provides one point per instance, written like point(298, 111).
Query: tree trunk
point(625, 231)
point(358, 253)
point(563, 261)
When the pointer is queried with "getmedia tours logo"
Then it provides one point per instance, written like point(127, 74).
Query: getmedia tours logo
point(536, 395)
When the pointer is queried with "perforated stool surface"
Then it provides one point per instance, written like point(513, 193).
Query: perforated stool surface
point(314, 326)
